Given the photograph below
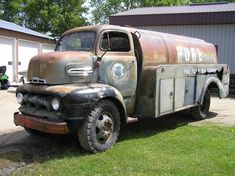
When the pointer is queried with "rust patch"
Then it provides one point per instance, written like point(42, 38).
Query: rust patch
point(41, 125)
point(51, 67)
point(61, 89)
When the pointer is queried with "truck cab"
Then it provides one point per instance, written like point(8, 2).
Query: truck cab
point(99, 76)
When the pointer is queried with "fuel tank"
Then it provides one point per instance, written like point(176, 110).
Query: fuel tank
point(161, 48)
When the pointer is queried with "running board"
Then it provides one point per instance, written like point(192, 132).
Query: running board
point(132, 119)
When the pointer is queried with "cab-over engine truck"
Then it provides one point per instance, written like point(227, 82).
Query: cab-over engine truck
point(101, 76)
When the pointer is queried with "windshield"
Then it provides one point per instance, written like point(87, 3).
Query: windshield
point(79, 41)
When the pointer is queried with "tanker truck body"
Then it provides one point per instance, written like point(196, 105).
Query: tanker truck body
point(102, 76)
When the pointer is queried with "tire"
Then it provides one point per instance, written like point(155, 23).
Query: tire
point(200, 112)
point(101, 129)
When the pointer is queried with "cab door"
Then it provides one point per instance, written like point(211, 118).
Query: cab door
point(118, 66)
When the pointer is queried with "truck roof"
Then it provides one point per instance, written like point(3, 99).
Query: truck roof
point(99, 28)
point(160, 47)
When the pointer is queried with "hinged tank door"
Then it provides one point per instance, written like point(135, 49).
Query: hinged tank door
point(166, 95)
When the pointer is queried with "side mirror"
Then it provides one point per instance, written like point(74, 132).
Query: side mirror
point(99, 58)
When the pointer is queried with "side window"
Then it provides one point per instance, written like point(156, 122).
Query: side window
point(115, 41)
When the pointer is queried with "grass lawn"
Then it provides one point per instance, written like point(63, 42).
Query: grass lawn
point(148, 148)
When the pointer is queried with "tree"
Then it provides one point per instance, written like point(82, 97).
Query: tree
point(101, 10)
point(11, 11)
point(46, 16)
point(1, 9)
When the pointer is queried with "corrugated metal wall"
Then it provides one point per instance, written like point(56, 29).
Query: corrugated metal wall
point(221, 35)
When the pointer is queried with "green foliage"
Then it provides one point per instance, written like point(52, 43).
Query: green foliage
point(46, 16)
point(1, 9)
point(145, 150)
point(102, 9)
point(11, 11)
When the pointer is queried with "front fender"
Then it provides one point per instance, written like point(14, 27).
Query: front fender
point(92, 93)
point(77, 100)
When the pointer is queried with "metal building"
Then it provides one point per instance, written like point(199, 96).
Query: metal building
point(213, 22)
point(18, 45)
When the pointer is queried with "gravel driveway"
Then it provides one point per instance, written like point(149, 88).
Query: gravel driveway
point(15, 140)
point(8, 105)
point(222, 111)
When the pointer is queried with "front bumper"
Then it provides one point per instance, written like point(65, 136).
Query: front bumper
point(40, 125)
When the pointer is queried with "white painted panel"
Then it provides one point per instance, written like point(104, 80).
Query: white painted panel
point(179, 92)
point(47, 48)
point(7, 55)
point(222, 35)
point(166, 95)
point(189, 91)
point(26, 51)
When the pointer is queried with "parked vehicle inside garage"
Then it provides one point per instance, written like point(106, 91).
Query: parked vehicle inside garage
point(4, 83)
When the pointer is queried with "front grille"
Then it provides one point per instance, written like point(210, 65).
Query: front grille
point(38, 101)
point(39, 106)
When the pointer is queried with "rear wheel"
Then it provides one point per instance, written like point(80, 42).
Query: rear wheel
point(101, 129)
point(200, 112)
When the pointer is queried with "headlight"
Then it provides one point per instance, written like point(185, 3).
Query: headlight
point(20, 98)
point(55, 103)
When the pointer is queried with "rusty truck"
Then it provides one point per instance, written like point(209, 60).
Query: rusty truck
point(100, 77)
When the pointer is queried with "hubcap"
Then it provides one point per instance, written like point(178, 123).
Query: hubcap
point(104, 128)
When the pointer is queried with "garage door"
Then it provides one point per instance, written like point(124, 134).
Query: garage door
point(26, 51)
point(7, 55)
point(47, 48)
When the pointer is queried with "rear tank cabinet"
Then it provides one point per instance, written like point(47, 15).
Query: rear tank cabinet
point(178, 87)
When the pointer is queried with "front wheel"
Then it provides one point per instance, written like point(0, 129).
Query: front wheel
point(101, 129)
point(200, 112)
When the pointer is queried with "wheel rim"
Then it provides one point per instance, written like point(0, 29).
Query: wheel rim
point(104, 128)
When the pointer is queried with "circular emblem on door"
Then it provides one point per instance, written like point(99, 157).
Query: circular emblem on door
point(118, 70)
